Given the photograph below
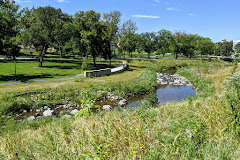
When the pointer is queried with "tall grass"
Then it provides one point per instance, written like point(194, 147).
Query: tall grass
point(197, 128)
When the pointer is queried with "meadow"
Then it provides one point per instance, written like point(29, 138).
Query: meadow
point(205, 126)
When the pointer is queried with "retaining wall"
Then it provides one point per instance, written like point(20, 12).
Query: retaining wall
point(106, 71)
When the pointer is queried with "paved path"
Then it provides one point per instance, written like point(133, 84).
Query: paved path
point(44, 80)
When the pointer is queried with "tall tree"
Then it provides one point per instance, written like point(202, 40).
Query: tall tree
point(42, 28)
point(204, 46)
point(9, 28)
point(178, 43)
point(127, 36)
point(225, 48)
point(149, 42)
point(91, 33)
point(164, 39)
point(112, 21)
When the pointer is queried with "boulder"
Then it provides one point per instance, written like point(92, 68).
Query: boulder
point(75, 111)
point(48, 113)
point(31, 118)
point(122, 103)
point(107, 107)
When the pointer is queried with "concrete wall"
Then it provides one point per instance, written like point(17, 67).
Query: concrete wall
point(106, 71)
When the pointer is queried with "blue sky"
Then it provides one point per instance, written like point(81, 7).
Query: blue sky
point(216, 19)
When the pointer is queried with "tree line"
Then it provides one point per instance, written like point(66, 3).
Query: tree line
point(91, 34)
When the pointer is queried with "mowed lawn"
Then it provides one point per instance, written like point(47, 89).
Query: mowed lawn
point(52, 68)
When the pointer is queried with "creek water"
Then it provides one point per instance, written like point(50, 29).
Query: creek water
point(164, 93)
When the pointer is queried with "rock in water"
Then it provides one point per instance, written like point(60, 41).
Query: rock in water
point(48, 113)
point(75, 111)
point(122, 102)
point(107, 107)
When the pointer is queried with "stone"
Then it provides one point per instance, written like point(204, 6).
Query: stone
point(66, 116)
point(38, 117)
point(48, 113)
point(31, 118)
point(45, 107)
point(75, 111)
point(107, 107)
point(38, 110)
point(122, 102)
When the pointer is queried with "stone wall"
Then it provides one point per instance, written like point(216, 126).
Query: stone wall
point(106, 71)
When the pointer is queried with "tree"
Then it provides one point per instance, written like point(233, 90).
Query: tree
point(112, 21)
point(204, 46)
point(127, 36)
point(149, 42)
point(64, 36)
point(42, 28)
point(178, 43)
point(90, 34)
point(9, 28)
point(225, 48)
point(237, 47)
point(164, 39)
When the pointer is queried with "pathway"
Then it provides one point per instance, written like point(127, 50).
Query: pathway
point(44, 80)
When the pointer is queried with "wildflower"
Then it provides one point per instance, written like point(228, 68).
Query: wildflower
point(134, 152)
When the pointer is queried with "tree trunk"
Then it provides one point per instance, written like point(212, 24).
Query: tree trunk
point(94, 61)
point(42, 55)
point(176, 56)
point(149, 55)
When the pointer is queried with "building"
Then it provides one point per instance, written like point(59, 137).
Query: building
point(235, 43)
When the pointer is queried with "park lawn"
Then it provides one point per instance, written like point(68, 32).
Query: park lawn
point(52, 68)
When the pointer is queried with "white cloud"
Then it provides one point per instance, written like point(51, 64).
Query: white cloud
point(173, 9)
point(20, 1)
point(145, 16)
point(192, 14)
point(157, 1)
point(60, 1)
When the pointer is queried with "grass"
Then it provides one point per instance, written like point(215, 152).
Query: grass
point(197, 128)
point(52, 68)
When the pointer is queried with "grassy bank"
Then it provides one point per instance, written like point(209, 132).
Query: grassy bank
point(197, 128)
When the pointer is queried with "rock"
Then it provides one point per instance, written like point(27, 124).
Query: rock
point(24, 111)
point(122, 102)
point(38, 110)
point(31, 118)
point(45, 107)
point(75, 111)
point(66, 116)
point(38, 117)
point(48, 112)
point(37, 114)
point(107, 107)
point(102, 96)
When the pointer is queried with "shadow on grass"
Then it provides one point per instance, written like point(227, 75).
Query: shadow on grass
point(89, 66)
point(23, 77)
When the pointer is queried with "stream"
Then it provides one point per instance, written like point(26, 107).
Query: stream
point(173, 88)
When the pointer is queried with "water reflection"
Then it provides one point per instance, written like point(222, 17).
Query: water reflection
point(168, 93)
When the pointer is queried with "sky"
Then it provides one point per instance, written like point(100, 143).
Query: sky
point(216, 19)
